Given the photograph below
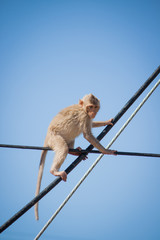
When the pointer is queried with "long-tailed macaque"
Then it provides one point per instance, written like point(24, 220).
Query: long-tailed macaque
point(62, 131)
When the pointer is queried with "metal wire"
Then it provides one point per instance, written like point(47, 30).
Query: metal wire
point(82, 151)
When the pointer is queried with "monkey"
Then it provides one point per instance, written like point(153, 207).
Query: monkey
point(62, 131)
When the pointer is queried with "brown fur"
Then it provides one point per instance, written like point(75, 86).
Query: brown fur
point(62, 131)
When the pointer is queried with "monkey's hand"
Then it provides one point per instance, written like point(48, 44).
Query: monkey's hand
point(78, 153)
point(109, 122)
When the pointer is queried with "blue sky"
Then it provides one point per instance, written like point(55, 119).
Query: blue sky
point(52, 54)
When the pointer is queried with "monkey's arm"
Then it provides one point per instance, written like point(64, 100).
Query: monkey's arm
point(94, 141)
point(104, 123)
point(97, 144)
point(98, 124)
point(90, 138)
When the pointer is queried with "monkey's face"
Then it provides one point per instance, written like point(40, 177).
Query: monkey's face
point(92, 110)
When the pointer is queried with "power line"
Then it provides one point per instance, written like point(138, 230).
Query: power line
point(82, 151)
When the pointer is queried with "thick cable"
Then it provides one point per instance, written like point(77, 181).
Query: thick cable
point(97, 160)
point(137, 154)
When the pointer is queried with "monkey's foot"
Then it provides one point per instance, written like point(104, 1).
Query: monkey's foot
point(62, 174)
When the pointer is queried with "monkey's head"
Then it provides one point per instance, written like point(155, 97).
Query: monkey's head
point(90, 104)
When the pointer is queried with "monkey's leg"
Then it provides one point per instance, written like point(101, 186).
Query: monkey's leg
point(61, 151)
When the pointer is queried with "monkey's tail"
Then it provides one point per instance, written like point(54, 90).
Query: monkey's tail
point(40, 173)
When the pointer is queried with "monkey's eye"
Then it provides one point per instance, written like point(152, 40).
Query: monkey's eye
point(90, 107)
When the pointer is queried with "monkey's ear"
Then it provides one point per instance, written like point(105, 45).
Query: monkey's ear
point(81, 102)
